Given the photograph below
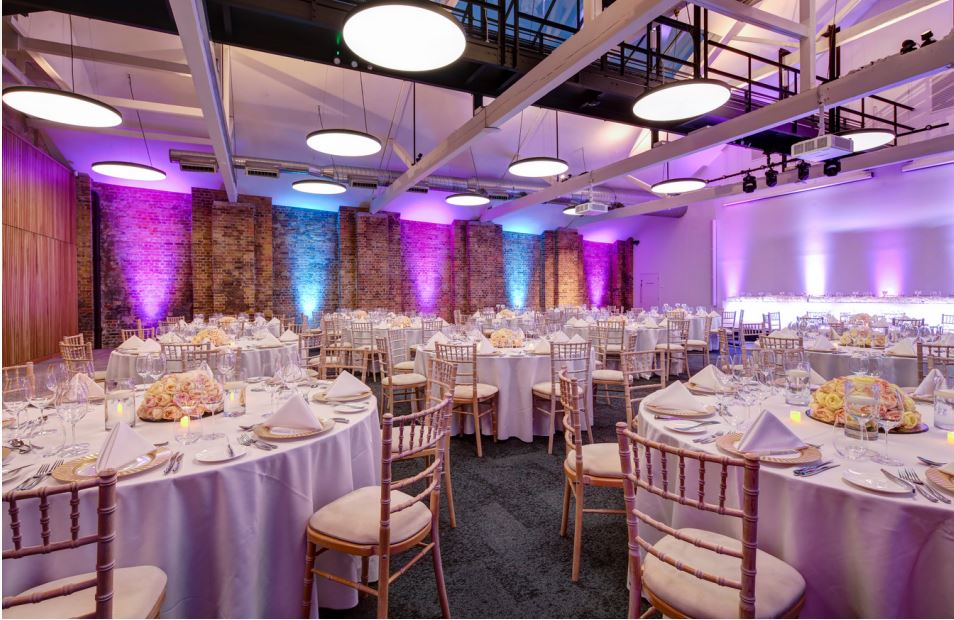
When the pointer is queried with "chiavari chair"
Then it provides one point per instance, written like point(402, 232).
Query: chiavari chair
point(72, 340)
point(779, 345)
point(750, 332)
point(387, 520)
point(309, 350)
point(133, 592)
point(398, 388)
point(676, 314)
point(363, 346)
point(906, 322)
point(674, 349)
point(441, 380)
point(947, 322)
point(193, 358)
point(610, 380)
point(554, 324)
point(469, 392)
point(79, 358)
point(772, 321)
point(593, 464)
point(694, 573)
point(728, 320)
point(574, 358)
point(401, 361)
point(178, 354)
point(636, 364)
point(139, 331)
point(699, 347)
point(25, 371)
point(175, 319)
point(429, 327)
point(725, 352)
point(609, 341)
point(736, 336)
point(931, 356)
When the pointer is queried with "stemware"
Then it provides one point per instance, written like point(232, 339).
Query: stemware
point(189, 403)
point(862, 406)
point(144, 366)
point(73, 406)
point(16, 397)
point(889, 419)
point(212, 400)
point(226, 362)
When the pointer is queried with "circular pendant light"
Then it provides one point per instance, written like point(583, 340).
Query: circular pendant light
point(867, 139)
point(343, 142)
point(538, 167)
point(324, 187)
point(61, 106)
point(681, 100)
point(128, 170)
point(404, 35)
point(467, 199)
point(678, 186)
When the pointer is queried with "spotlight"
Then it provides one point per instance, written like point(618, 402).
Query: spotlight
point(908, 46)
point(927, 38)
point(771, 177)
point(832, 167)
point(748, 183)
point(803, 170)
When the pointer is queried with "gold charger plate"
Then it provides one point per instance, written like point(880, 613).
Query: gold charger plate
point(679, 413)
point(265, 431)
point(704, 390)
point(808, 454)
point(318, 397)
point(939, 478)
point(84, 468)
point(920, 428)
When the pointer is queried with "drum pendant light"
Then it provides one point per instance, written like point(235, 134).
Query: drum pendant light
point(680, 185)
point(127, 169)
point(344, 142)
point(537, 167)
point(470, 198)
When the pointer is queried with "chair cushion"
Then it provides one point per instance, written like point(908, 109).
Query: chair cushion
point(669, 347)
point(404, 379)
point(612, 348)
point(99, 376)
point(356, 517)
point(599, 459)
point(606, 374)
point(778, 586)
point(316, 361)
point(405, 365)
point(136, 591)
point(466, 392)
point(411, 439)
point(697, 343)
point(543, 389)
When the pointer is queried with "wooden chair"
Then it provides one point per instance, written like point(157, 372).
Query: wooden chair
point(178, 354)
point(404, 521)
point(931, 356)
point(750, 332)
point(73, 340)
point(397, 388)
point(699, 347)
point(574, 359)
point(134, 592)
point(772, 321)
point(595, 464)
point(309, 350)
point(142, 332)
point(401, 361)
point(429, 327)
point(441, 380)
point(610, 337)
point(728, 320)
point(194, 356)
point(79, 358)
point(735, 331)
point(634, 365)
point(469, 392)
point(674, 349)
point(771, 343)
point(693, 573)
point(905, 322)
point(23, 370)
point(610, 380)
point(947, 322)
point(725, 352)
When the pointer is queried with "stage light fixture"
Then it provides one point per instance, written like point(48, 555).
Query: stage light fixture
point(748, 183)
point(771, 177)
point(908, 45)
point(832, 167)
point(927, 38)
point(803, 170)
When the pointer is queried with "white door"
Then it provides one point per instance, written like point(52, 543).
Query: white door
point(648, 290)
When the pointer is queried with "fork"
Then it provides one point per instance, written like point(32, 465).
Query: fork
point(912, 476)
point(931, 463)
point(709, 438)
point(28, 484)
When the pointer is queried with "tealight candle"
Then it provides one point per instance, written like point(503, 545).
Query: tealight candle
point(795, 416)
point(950, 437)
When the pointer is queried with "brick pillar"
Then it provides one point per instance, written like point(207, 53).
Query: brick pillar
point(347, 253)
point(202, 200)
point(461, 277)
point(485, 264)
point(563, 279)
point(624, 269)
point(378, 263)
point(84, 256)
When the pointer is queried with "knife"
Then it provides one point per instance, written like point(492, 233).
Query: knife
point(171, 464)
point(175, 468)
point(898, 480)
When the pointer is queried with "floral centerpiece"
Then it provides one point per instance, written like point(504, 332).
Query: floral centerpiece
point(226, 320)
point(506, 314)
point(401, 321)
point(158, 403)
point(213, 335)
point(360, 315)
point(862, 337)
point(828, 402)
point(861, 317)
point(506, 338)
point(617, 318)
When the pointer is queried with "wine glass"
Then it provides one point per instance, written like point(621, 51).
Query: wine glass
point(862, 404)
point(226, 362)
point(16, 397)
point(889, 419)
point(144, 367)
point(157, 367)
point(212, 400)
point(189, 403)
point(41, 396)
point(73, 406)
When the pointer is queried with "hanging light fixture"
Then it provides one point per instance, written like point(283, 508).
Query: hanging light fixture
point(345, 142)
point(404, 35)
point(470, 198)
point(321, 186)
point(681, 100)
point(679, 185)
point(127, 169)
point(865, 139)
point(538, 167)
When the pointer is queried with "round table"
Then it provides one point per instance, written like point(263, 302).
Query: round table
point(862, 554)
point(514, 377)
point(254, 362)
point(230, 536)
point(900, 370)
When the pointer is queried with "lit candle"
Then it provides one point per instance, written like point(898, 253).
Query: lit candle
point(950, 437)
point(184, 422)
point(795, 416)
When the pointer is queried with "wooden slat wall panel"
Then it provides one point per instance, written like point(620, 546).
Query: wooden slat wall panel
point(39, 252)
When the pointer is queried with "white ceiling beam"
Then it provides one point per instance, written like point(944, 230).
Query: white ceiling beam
point(193, 30)
point(149, 106)
point(851, 168)
point(764, 41)
point(55, 48)
point(131, 133)
point(807, 46)
point(756, 17)
point(623, 20)
point(884, 74)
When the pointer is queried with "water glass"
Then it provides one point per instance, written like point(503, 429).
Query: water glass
point(120, 405)
point(189, 403)
point(797, 391)
point(73, 406)
point(944, 409)
point(16, 397)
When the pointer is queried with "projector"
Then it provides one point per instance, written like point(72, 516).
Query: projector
point(591, 208)
point(822, 148)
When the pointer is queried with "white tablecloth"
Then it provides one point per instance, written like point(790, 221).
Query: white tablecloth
point(902, 371)
point(254, 362)
point(862, 554)
point(514, 378)
point(231, 536)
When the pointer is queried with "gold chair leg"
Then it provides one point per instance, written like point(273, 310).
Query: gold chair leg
point(364, 575)
point(384, 577)
point(439, 573)
point(552, 425)
point(309, 580)
point(577, 532)
point(564, 518)
point(449, 485)
point(477, 430)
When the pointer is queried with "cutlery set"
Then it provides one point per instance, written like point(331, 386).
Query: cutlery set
point(246, 439)
point(815, 468)
point(709, 438)
point(42, 472)
point(909, 478)
point(174, 463)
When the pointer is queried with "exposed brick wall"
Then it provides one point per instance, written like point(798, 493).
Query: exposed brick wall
point(428, 256)
point(84, 256)
point(347, 256)
point(523, 269)
point(564, 281)
point(304, 261)
point(461, 273)
point(378, 261)
point(485, 264)
point(234, 264)
point(624, 255)
point(598, 264)
point(146, 262)
point(202, 200)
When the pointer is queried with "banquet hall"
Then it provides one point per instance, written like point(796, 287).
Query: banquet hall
point(473, 308)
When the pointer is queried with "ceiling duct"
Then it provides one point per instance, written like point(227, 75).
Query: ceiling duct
point(258, 169)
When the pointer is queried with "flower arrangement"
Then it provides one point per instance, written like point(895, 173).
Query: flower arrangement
point(360, 315)
point(617, 318)
point(401, 321)
point(506, 314)
point(828, 402)
point(158, 404)
point(226, 320)
point(506, 338)
point(212, 335)
point(861, 317)
point(862, 337)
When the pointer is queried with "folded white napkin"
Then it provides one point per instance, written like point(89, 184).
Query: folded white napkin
point(295, 413)
point(150, 346)
point(663, 323)
point(709, 378)
point(94, 391)
point(288, 336)
point(649, 322)
point(346, 385)
point(948, 469)
point(269, 341)
point(714, 314)
point(783, 333)
point(814, 378)
point(880, 323)
point(822, 343)
point(123, 445)
point(437, 338)
point(769, 434)
point(904, 347)
point(133, 342)
point(577, 338)
point(675, 397)
point(542, 346)
point(929, 384)
point(274, 321)
point(578, 323)
point(558, 336)
point(170, 338)
point(485, 348)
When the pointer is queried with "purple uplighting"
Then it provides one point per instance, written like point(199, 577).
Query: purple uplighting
point(597, 270)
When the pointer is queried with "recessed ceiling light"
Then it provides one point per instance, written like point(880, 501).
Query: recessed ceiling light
point(61, 106)
point(467, 199)
point(128, 170)
point(867, 139)
point(325, 187)
point(343, 142)
point(678, 186)
point(681, 100)
point(404, 35)
point(538, 167)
